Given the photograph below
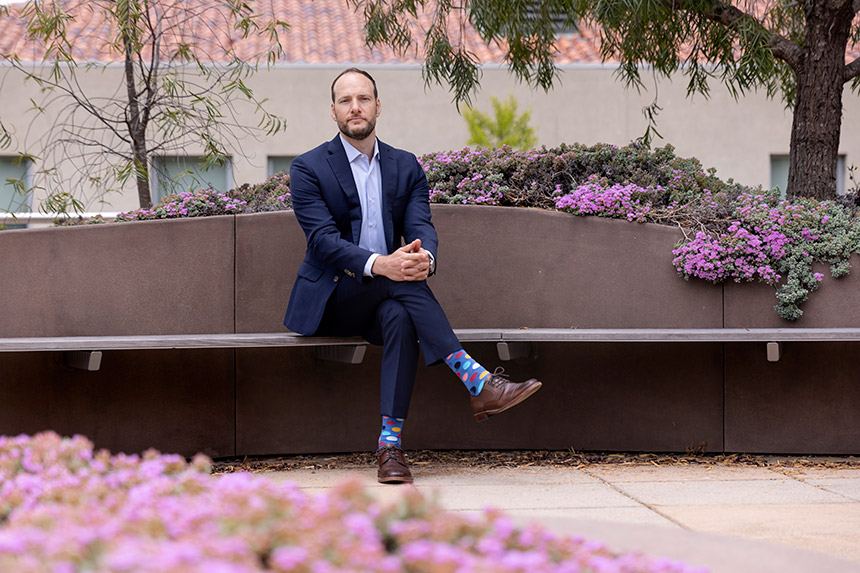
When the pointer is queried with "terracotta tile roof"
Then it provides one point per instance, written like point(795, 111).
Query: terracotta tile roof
point(321, 31)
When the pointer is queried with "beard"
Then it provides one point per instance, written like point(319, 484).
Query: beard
point(359, 132)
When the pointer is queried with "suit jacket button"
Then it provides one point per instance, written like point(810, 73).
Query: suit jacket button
point(336, 278)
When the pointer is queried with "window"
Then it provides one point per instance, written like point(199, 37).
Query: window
point(11, 198)
point(179, 174)
point(279, 163)
point(562, 24)
point(779, 173)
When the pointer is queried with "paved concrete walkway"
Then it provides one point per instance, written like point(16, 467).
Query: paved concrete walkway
point(726, 518)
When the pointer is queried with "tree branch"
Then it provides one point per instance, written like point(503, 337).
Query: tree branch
point(851, 71)
point(197, 107)
point(732, 17)
point(151, 81)
point(839, 4)
point(79, 97)
point(72, 137)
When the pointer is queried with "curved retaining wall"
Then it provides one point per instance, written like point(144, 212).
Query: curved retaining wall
point(497, 267)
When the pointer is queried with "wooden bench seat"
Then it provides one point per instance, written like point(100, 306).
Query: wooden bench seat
point(85, 351)
point(516, 343)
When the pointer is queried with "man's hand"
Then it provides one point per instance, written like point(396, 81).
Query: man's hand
point(408, 263)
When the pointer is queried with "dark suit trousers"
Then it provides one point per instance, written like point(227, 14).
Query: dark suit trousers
point(397, 316)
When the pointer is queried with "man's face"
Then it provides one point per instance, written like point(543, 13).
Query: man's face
point(355, 109)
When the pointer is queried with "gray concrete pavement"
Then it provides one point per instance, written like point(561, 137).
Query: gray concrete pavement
point(727, 518)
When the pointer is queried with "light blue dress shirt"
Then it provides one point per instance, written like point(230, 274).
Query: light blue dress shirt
point(368, 182)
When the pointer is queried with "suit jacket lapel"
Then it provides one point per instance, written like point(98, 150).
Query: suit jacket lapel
point(340, 166)
point(388, 169)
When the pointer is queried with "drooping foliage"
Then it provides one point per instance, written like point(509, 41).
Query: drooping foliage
point(794, 49)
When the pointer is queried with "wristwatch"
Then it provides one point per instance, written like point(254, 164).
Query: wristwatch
point(432, 264)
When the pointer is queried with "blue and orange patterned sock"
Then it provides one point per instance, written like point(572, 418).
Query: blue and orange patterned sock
point(467, 370)
point(391, 428)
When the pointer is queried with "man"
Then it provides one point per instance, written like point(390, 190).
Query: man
point(357, 200)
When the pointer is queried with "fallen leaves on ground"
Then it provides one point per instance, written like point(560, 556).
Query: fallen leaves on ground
point(531, 458)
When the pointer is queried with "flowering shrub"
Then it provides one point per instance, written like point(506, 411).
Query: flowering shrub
point(271, 195)
point(598, 197)
point(772, 240)
point(535, 178)
point(732, 232)
point(65, 508)
point(203, 203)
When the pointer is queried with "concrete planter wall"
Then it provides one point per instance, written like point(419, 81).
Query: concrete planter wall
point(498, 267)
point(171, 277)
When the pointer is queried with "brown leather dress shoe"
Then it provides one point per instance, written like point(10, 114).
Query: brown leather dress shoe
point(392, 465)
point(499, 394)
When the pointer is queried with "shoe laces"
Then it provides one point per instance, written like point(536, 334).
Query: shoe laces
point(390, 452)
point(498, 377)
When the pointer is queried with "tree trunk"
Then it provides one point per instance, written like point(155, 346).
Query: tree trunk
point(141, 170)
point(817, 123)
point(136, 118)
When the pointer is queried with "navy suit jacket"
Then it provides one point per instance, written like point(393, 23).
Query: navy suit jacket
point(328, 209)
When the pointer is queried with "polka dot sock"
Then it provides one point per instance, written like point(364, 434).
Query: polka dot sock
point(391, 428)
point(468, 371)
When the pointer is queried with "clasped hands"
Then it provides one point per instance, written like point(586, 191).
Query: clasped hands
point(408, 263)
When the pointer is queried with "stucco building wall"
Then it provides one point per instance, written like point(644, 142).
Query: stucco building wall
point(589, 105)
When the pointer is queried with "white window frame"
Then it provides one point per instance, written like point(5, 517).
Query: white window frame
point(154, 189)
point(270, 162)
point(29, 170)
point(841, 163)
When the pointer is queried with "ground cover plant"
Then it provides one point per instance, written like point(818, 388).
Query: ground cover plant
point(731, 232)
point(271, 195)
point(66, 508)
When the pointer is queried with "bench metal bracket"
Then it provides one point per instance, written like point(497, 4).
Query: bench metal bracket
point(514, 350)
point(89, 360)
point(774, 351)
point(347, 354)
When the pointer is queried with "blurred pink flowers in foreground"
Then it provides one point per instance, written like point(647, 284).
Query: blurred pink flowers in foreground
point(66, 508)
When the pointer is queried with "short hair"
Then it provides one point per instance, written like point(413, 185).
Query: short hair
point(354, 71)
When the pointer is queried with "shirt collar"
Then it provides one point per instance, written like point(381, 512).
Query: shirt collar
point(352, 152)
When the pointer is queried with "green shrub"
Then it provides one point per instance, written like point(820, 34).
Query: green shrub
point(504, 128)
